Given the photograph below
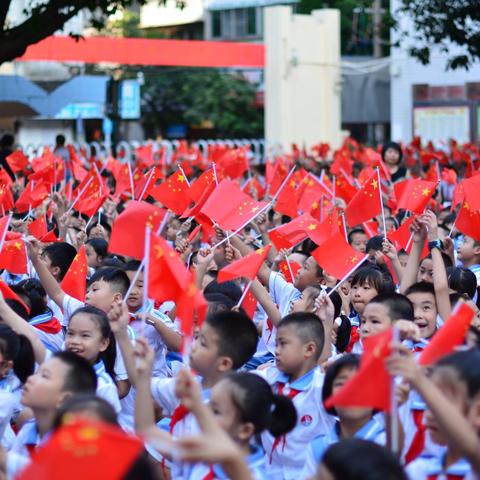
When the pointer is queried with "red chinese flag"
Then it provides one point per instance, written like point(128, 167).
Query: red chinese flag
point(173, 193)
point(450, 335)
point(321, 232)
point(190, 304)
point(402, 237)
point(337, 257)
point(371, 385)
point(122, 179)
point(468, 221)
point(344, 187)
point(229, 207)
point(17, 161)
point(38, 228)
point(144, 155)
point(254, 188)
point(74, 282)
point(146, 183)
point(90, 205)
point(286, 203)
point(32, 196)
point(6, 199)
point(13, 256)
point(246, 267)
point(275, 174)
point(366, 203)
point(201, 184)
point(414, 195)
point(289, 273)
point(471, 188)
point(249, 303)
point(81, 447)
point(234, 162)
point(7, 292)
point(293, 232)
point(128, 232)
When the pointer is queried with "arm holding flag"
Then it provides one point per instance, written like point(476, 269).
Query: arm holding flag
point(410, 273)
point(261, 294)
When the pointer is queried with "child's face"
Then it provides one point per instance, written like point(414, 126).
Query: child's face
point(425, 271)
point(204, 351)
point(44, 389)
point(330, 281)
point(290, 350)
point(425, 312)
point(84, 338)
point(403, 259)
point(225, 411)
point(100, 295)
point(446, 379)
point(135, 299)
point(307, 275)
point(172, 229)
point(359, 241)
point(467, 249)
point(374, 319)
point(351, 413)
point(55, 271)
point(93, 260)
point(306, 302)
point(360, 295)
point(5, 365)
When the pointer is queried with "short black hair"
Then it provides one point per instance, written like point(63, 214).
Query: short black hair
point(237, 334)
point(351, 360)
point(378, 278)
point(99, 245)
point(399, 306)
point(60, 140)
point(358, 459)
point(375, 243)
point(228, 289)
point(61, 255)
point(421, 287)
point(116, 278)
point(7, 140)
point(132, 265)
point(394, 146)
point(81, 377)
point(353, 232)
point(462, 280)
point(308, 327)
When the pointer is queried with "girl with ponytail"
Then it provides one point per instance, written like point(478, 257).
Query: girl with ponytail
point(244, 406)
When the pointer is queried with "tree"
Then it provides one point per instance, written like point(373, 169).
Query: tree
point(195, 96)
point(444, 24)
point(44, 18)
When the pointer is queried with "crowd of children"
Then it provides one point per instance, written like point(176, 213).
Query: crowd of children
point(235, 381)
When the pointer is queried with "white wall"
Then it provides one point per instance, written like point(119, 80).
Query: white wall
point(406, 71)
point(43, 132)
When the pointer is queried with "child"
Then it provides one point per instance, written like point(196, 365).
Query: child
point(96, 249)
point(352, 422)
point(422, 296)
point(358, 239)
point(299, 345)
point(457, 377)
point(366, 283)
point(469, 255)
point(62, 375)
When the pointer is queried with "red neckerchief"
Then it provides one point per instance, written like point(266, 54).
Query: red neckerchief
point(418, 441)
point(354, 338)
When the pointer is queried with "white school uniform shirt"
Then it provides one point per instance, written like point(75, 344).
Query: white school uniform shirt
point(106, 387)
point(7, 406)
point(51, 341)
point(372, 430)
point(163, 393)
point(287, 459)
point(255, 462)
point(429, 467)
point(11, 386)
point(282, 293)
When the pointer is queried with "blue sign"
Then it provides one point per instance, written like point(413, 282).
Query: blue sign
point(84, 110)
point(129, 101)
point(176, 131)
point(107, 126)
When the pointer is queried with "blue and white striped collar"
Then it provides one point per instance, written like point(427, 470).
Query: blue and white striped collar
point(255, 460)
point(99, 368)
point(39, 319)
point(301, 383)
point(436, 466)
point(369, 431)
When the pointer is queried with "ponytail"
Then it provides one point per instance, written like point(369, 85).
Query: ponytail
point(283, 416)
point(18, 349)
point(256, 404)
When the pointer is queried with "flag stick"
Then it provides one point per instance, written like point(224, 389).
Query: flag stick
point(452, 229)
point(394, 405)
point(244, 294)
point(344, 222)
point(381, 203)
point(282, 185)
point(214, 167)
point(134, 280)
point(79, 194)
point(88, 223)
point(4, 234)
point(289, 268)
point(347, 275)
point(146, 269)
point(162, 225)
point(321, 208)
point(334, 198)
point(146, 183)
point(184, 176)
point(54, 174)
point(130, 175)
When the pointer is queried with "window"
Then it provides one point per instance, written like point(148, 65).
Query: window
point(235, 24)
point(216, 24)
point(251, 21)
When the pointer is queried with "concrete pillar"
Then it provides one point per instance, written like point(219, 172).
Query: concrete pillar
point(302, 77)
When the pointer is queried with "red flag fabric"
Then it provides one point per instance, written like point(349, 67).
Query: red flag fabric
point(32, 196)
point(414, 195)
point(401, 237)
point(128, 232)
point(337, 257)
point(74, 282)
point(366, 203)
point(146, 183)
point(449, 336)
point(286, 203)
point(293, 232)
point(371, 385)
point(320, 233)
point(201, 184)
point(93, 193)
point(246, 267)
point(468, 221)
point(38, 228)
point(18, 161)
point(6, 199)
point(76, 450)
point(289, 275)
point(234, 162)
point(13, 256)
point(249, 303)
point(344, 187)
point(229, 207)
point(173, 193)
point(7, 292)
